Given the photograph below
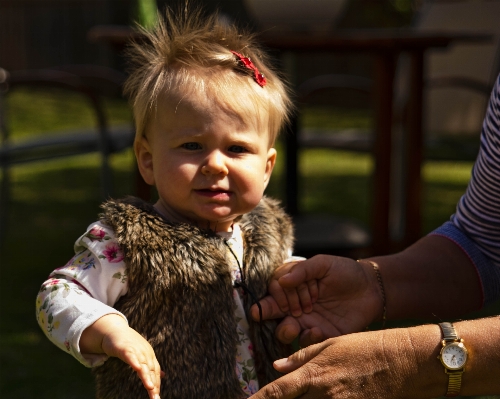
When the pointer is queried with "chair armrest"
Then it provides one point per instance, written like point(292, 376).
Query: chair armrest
point(64, 80)
point(333, 81)
point(459, 82)
point(104, 80)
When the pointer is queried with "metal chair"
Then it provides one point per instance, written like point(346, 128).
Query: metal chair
point(82, 86)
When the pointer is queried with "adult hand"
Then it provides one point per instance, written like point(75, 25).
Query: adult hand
point(112, 336)
point(348, 299)
point(377, 364)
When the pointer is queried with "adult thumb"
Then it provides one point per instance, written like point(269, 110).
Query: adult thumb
point(300, 357)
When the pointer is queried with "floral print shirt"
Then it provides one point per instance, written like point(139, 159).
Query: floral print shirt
point(87, 287)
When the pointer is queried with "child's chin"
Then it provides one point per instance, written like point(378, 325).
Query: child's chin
point(218, 223)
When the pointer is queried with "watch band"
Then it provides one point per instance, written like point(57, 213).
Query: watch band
point(454, 376)
point(449, 333)
point(454, 383)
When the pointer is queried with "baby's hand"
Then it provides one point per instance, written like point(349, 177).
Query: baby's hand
point(296, 300)
point(117, 339)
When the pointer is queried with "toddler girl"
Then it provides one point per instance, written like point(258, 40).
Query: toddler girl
point(169, 286)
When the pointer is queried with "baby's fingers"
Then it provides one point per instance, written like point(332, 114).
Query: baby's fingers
point(312, 285)
point(133, 349)
point(149, 372)
point(269, 308)
point(295, 300)
point(287, 298)
point(123, 342)
point(294, 297)
point(306, 297)
point(151, 379)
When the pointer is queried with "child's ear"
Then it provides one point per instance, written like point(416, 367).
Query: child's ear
point(144, 157)
point(271, 160)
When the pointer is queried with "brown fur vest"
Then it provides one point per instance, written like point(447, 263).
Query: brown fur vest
point(180, 299)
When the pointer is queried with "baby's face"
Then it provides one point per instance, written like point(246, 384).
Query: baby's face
point(208, 166)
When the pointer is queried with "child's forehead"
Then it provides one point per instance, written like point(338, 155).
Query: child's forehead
point(208, 102)
point(195, 108)
point(192, 116)
point(215, 91)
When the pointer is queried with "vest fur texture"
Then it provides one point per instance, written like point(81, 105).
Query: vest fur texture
point(180, 299)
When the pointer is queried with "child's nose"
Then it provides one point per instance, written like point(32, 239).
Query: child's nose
point(215, 164)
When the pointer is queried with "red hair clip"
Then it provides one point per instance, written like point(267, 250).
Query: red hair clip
point(247, 63)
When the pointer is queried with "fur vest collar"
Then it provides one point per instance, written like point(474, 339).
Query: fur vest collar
point(180, 298)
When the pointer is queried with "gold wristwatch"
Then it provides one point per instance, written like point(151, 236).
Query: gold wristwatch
point(453, 356)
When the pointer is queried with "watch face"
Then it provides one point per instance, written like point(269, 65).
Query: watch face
point(454, 355)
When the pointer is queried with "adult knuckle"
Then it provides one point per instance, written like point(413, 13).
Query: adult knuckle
point(300, 355)
point(309, 376)
point(312, 372)
point(273, 391)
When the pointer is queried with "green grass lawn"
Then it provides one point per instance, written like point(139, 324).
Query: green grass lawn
point(53, 202)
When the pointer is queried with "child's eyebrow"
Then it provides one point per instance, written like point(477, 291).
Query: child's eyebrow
point(187, 134)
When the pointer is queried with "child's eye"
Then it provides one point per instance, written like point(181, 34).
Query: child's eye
point(191, 146)
point(237, 148)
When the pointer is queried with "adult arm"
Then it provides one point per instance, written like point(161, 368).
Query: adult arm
point(395, 363)
point(433, 278)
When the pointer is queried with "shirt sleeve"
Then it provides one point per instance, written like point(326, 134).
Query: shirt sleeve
point(475, 226)
point(293, 258)
point(82, 291)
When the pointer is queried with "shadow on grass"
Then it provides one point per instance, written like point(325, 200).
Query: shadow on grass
point(48, 212)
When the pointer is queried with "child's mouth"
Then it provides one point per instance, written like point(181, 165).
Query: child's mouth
point(214, 194)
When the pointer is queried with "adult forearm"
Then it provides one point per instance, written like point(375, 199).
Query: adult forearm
point(480, 377)
point(412, 356)
point(481, 337)
point(397, 363)
point(433, 278)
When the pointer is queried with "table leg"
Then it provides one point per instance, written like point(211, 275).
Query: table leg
point(292, 167)
point(289, 64)
point(385, 66)
point(414, 150)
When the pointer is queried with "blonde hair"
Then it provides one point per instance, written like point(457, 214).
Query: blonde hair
point(192, 53)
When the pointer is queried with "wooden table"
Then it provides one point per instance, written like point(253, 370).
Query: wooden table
point(385, 46)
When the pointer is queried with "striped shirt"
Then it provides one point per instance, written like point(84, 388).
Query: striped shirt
point(475, 226)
